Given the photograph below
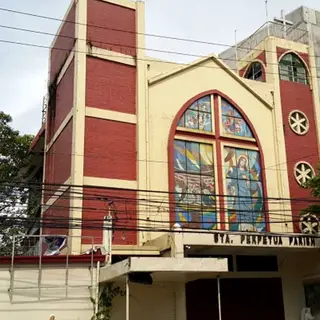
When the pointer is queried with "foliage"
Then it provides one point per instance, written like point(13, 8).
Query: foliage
point(107, 292)
point(314, 185)
point(14, 156)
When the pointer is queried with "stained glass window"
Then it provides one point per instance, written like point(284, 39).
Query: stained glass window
point(194, 185)
point(198, 115)
point(232, 122)
point(242, 173)
point(196, 204)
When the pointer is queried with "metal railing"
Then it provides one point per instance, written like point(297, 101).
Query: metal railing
point(296, 33)
point(41, 246)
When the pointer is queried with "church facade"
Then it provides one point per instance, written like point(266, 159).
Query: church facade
point(194, 161)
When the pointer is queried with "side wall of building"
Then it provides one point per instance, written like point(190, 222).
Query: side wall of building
point(64, 302)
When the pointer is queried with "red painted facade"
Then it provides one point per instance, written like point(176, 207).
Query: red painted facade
point(110, 149)
point(58, 160)
point(260, 58)
point(298, 96)
point(63, 44)
point(124, 213)
point(63, 102)
point(111, 27)
point(110, 86)
point(55, 219)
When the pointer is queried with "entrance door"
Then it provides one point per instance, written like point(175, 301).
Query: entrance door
point(247, 299)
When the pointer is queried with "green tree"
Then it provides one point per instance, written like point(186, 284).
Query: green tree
point(314, 186)
point(14, 156)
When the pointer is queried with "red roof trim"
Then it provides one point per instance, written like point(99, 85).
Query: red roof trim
point(52, 259)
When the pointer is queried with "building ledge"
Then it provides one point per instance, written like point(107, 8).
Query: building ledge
point(162, 268)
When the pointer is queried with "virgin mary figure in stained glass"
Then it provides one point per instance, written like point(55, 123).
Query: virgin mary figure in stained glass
point(242, 184)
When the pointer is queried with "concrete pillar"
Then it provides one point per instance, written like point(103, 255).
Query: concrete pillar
point(180, 296)
point(177, 246)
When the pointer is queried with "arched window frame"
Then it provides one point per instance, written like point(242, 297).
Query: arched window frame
point(218, 140)
point(294, 70)
point(255, 74)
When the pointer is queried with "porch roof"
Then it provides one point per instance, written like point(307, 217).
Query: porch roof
point(163, 268)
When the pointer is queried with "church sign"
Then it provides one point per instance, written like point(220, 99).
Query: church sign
point(253, 240)
point(265, 240)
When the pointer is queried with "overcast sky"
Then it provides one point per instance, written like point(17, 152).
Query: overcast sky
point(24, 69)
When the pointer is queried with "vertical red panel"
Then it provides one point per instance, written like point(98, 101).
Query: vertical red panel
point(110, 86)
point(96, 204)
point(63, 44)
point(110, 149)
point(58, 161)
point(298, 96)
point(56, 218)
point(111, 27)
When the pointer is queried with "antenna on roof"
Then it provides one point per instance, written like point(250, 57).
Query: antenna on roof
point(284, 22)
point(267, 16)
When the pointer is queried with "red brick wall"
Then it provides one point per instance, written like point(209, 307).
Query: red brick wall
point(64, 102)
point(55, 219)
point(111, 27)
point(123, 210)
point(297, 96)
point(110, 149)
point(58, 160)
point(110, 86)
point(63, 45)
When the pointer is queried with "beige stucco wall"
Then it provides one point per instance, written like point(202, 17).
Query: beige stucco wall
point(160, 300)
point(295, 269)
point(168, 96)
point(156, 302)
point(53, 301)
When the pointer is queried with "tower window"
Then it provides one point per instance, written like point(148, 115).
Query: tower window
point(254, 72)
point(292, 69)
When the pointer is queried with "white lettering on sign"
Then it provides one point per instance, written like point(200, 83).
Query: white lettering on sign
point(264, 240)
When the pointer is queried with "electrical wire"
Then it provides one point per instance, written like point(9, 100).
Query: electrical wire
point(128, 155)
point(132, 47)
point(160, 192)
point(123, 57)
point(134, 32)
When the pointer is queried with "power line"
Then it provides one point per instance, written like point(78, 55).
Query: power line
point(17, 183)
point(132, 47)
point(271, 168)
point(84, 225)
point(128, 31)
point(124, 57)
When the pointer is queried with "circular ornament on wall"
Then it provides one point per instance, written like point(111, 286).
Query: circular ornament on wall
point(309, 224)
point(298, 122)
point(303, 172)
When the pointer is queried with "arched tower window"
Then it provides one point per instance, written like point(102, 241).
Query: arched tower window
point(216, 176)
point(255, 72)
point(292, 68)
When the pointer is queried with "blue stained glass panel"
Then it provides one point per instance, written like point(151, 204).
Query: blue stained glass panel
point(198, 116)
point(232, 121)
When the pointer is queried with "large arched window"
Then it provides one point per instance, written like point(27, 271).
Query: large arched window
point(217, 175)
point(255, 72)
point(293, 69)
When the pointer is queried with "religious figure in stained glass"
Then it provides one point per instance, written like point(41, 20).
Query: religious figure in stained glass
point(198, 115)
point(195, 190)
point(232, 122)
point(244, 189)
